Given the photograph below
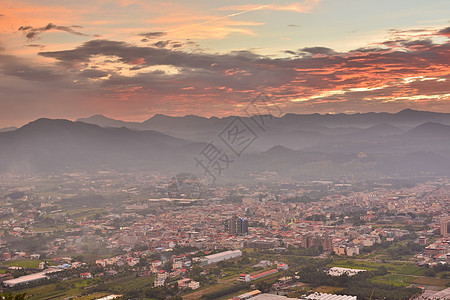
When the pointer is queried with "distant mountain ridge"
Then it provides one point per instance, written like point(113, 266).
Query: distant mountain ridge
point(51, 145)
point(301, 146)
point(430, 129)
point(291, 126)
point(6, 129)
point(406, 116)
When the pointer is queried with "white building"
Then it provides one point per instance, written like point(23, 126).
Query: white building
point(244, 277)
point(323, 296)
point(194, 284)
point(215, 258)
point(352, 250)
point(24, 280)
point(163, 274)
point(337, 271)
point(159, 281)
point(188, 283)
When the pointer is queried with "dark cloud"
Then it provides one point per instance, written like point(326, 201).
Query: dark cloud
point(371, 49)
point(152, 56)
point(418, 30)
point(393, 42)
point(135, 68)
point(423, 43)
point(35, 46)
point(317, 50)
point(167, 43)
point(445, 31)
point(176, 45)
point(161, 44)
point(13, 66)
point(33, 32)
point(153, 35)
point(177, 81)
point(304, 73)
point(92, 73)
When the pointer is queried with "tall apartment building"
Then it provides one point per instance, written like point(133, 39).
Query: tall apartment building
point(311, 241)
point(445, 226)
point(237, 225)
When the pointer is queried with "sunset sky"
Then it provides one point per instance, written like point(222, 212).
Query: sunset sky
point(131, 59)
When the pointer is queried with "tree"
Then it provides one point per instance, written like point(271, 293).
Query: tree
point(196, 270)
point(244, 261)
point(168, 266)
point(430, 273)
point(215, 271)
point(382, 270)
point(263, 286)
point(10, 296)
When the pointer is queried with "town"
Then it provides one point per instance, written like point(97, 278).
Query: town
point(109, 235)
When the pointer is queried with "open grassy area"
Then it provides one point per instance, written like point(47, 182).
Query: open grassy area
point(93, 296)
point(26, 263)
point(412, 270)
point(229, 296)
point(80, 214)
point(328, 289)
point(406, 280)
point(392, 267)
point(197, 294)
point(73, 288)
point(400, 273)
point(431, 281)
point(46, 291)
point(394, 279)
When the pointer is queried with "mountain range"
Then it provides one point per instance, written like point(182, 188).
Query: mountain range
point(304, 146)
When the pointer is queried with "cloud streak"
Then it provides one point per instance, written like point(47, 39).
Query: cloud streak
point(303, 7)
point(32, 33)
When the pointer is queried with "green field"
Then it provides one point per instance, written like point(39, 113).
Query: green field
point(394, 279)
point(26, 263)
point(400, 274)
point(392, 267)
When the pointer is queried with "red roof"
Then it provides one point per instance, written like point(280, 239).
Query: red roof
point(269, 272)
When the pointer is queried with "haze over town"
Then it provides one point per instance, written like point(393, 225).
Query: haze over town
point(209, 150)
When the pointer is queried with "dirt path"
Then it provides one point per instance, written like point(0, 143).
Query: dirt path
point(200, 293)
point(221, 284)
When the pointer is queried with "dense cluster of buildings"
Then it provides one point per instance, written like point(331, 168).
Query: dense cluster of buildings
point(266, 216)
point(272, 219)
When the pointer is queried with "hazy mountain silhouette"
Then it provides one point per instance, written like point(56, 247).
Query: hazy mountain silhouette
point(430, 130)
point(103, 121)
point(6, 129)
point(296, 131)
point(318, 146)
point(58, 145)
point(382, 129)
